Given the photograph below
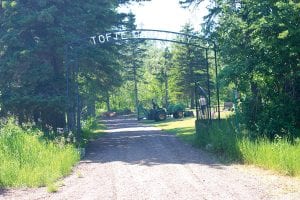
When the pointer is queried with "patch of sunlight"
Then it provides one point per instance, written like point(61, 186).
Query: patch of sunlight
point(132, 129)
point(182, 123)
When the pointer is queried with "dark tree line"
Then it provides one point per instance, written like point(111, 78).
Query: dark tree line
point(32, 66)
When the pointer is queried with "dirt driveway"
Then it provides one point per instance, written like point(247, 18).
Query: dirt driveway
point(135, 161)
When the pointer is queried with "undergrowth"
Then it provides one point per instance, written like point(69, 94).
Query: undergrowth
point(91, 129)
point(279, 154)
point(30, 160)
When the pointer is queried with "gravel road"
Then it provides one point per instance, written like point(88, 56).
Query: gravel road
point(135, 161)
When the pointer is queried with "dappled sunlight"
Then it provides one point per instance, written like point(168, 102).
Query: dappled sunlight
point(132, 129)
point(132, 143)
point(183, 127)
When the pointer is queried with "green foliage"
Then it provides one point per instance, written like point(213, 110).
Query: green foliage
point(52, 188)
point(88, 126)
point(280, 154)
point(28, 160)
point(188, 67)
point(219, 138)
point(91, 129)
point(259, 54)
point(33, 58)
point(150, 78)
point(168, 75)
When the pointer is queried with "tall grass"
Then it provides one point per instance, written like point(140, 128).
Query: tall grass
point(223, 140)
point(220, 139)
point(29, 161)
point(279, 155)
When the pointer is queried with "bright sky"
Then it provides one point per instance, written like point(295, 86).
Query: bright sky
point(166, 14)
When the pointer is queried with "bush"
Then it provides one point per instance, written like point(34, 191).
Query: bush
point(274, 117)
point(87, 129)
point(29, 160)
point(221, 137)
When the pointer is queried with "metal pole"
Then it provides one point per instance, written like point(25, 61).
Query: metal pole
point(167, 89)
point(167, 67)
point(217, 82)
point(235, 99)
point(208, 84)
point(135, 87)
point(136, 92)
point(197, 104)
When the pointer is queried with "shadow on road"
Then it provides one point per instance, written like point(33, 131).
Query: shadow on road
point(2, 191)
point(134, 143)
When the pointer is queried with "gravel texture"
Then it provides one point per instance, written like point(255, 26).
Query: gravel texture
point(135, 161)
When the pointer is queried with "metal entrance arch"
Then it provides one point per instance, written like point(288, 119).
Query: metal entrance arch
point(72, 69)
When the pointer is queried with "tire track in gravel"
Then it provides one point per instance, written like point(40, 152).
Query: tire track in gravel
point(135, 161)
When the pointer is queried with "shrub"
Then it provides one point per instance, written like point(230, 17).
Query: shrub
point(222, 139)
point(87, 128)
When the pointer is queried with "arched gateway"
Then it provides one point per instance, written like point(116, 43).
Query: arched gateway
point(71, 61)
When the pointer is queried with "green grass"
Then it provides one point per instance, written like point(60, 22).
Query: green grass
point(279, 155)
point(183, 128)
point(52, 188)
point(29, 161)
point(91, 130)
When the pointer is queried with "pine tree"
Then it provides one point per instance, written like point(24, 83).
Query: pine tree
point(259, 49)
point(189, 67)
point(32, 67)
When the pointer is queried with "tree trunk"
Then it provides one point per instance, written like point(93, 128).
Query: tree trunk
point(192, 96)
point(107, 102)
point(136, 92)
point(167, 90)
point(91, 108)
point(78, 121)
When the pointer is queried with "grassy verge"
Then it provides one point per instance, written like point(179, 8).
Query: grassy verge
point(27, 160)
point(183, 128)
point(91, 130)
point(279, 155)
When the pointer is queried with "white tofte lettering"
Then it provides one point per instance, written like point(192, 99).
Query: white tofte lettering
point(117, 34)
point(101, 39)
point(108, 36)
point(136, 34)
point(93, 40)
point(123, 36)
